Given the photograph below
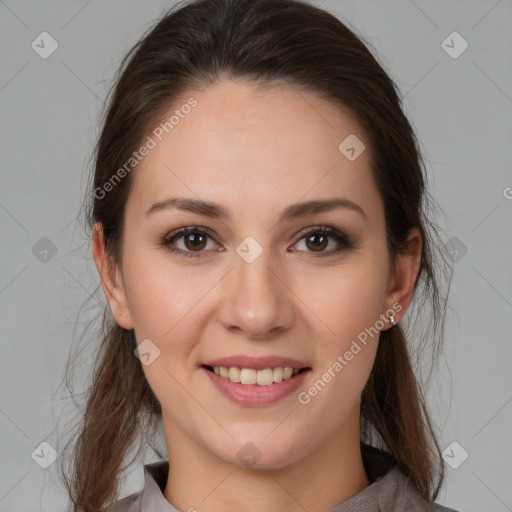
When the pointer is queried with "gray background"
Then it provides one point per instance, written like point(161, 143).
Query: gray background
point(462, 111)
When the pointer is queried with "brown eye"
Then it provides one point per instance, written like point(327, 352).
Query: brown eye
point(191, 241)
point(316, 239)
point(195, 241)
point(317, 242)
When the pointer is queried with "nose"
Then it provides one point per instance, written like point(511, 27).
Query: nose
point(256, 301)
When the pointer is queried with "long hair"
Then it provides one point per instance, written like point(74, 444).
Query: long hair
point(194, 45)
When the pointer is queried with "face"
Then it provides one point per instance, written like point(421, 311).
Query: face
point(245, 282)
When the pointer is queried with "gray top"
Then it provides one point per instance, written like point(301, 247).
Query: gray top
point(390, 490)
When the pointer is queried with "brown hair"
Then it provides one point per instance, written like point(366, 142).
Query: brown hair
point(261, 41)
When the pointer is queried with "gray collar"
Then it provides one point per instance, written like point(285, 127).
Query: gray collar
point(389, 490)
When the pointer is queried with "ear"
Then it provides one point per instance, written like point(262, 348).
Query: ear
point(111, 279)
point(401, 284)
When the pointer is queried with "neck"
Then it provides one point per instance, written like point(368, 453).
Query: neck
point(198, 480)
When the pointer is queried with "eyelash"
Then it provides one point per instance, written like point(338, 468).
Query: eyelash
point(341, 239)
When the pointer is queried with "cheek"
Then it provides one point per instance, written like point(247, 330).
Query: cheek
point(164, 300)
point(168, 307)
point(345, 301)
point(346, 305)
point(345, 352)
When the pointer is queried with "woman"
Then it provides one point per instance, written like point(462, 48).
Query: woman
point(258, 225)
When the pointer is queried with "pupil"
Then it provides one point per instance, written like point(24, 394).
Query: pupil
point(195, 240)
point(318, 244)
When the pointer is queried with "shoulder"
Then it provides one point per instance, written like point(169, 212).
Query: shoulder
point(406, 497)
point(128, 504)
point(439, 508)
point(150, 497)
point(390, 488)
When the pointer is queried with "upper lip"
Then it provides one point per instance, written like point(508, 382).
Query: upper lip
point(256, 363)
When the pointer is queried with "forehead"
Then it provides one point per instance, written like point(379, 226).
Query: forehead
point(256, 147)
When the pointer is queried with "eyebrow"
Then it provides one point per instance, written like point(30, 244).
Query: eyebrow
point(209, 209)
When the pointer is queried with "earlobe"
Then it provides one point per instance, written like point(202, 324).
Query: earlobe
point(401, 285)
point(111, 279)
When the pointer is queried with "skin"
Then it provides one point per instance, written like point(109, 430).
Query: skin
point(282, 150)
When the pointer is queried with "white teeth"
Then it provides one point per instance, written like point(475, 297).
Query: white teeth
point(287, 372)
point(234, 375)
point(249, 376)
point(265, 377)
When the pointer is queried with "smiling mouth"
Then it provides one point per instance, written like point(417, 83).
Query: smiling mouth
point(250, 376)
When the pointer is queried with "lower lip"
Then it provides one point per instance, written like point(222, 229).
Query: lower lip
point(254, 394)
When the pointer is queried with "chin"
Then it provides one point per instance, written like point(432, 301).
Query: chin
point(259, 452)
